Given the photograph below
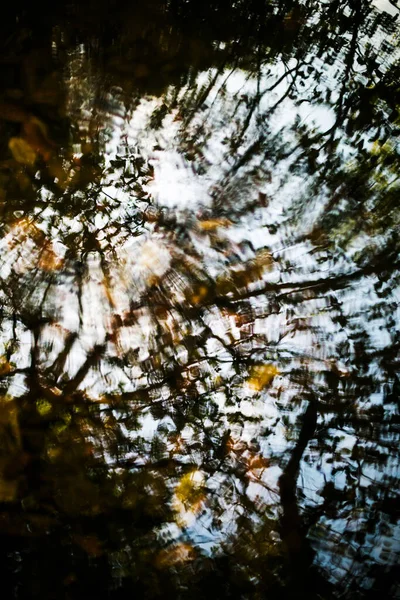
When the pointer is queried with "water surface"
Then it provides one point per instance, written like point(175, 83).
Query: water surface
point(199, 288)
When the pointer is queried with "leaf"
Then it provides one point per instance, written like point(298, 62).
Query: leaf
point(189, 492)
point(200, 294)
point(36, 136)
point(5, 366)
point(213, 224)
point(261, 376)
point(23, 229)
point(177, 554)
point(264, 259)
point(22, 152)
point(258, 462)
point(43, 407)
point(50, 261)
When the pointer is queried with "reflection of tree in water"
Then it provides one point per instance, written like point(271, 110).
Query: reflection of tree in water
point(223, 375)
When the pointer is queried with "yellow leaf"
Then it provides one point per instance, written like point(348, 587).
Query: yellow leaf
point(261, 376)
point(199, 295)
point(22, 151)
point(43, 407)
point(213, 224)
point(54, 453)
point(189, 492)
point(35, 132)
point(5, 366)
